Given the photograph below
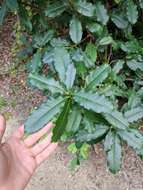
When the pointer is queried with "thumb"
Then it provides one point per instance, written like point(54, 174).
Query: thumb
point(2, 127)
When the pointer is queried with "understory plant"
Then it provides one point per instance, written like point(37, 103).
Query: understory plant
point(87, 57)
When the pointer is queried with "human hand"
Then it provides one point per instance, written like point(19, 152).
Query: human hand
point(19, 158)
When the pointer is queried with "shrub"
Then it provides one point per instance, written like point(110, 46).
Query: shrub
point(94, 54)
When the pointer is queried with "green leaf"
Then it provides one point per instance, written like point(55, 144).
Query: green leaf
point(141, 3)
point(134, 64)
point(35, 63)
point(12, 4)
point(24, 17)
point(118, 66)
point(112, 146)
point(43, 115)
point(95, 28)
point(72, 148)
point(106, 41)
point(84, 151)
point(93, 101)
point(84, 8)
point(61, 61)
point(73, 163)
point(133, 138)
point(132, 12)
point(42, 39)
point(131, 46)
point(100, 130)
point(75, 30)
point(95, 117)
point(70, 76)
point(88, 62)
point(101, 13)
point(61, 121)
point(55, 9)
point(3, 10)
point(74, 120)
point(117, 119)
point(134, 114)
point(91, 51)
point(119, 21)
point(97, 76)
point(44, 83)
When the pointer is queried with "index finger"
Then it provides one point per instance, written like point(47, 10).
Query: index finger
point(32, 139)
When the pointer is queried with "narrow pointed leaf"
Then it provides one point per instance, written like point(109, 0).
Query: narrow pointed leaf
point(112, 146)
point(117, 119)
point(93, 101)
point(61, 61)
point(133, 138)
point(97, 76)
point(134, 114)
point(44, 83)
point(74, 120)
point(70, 76)
point(61, 121)
point(43, 115)
point(75, 30)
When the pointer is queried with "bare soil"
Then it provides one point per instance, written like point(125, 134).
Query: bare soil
point(54, 173)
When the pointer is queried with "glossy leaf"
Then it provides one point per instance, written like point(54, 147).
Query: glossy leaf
point(43, 115)
point(134, 114)
point(117, 119)
point(44, 83)
point(112, 146)
point(93, 101)
point(97, 76)
point(61, 121)
point(91, 51)
point(101, 13)
point(118, 66)
point(132, 12)
point(85, 8)
point(70, 76)
point(134, 139)
point(61, 62)
point(133, 64)
point(74, 120)
point(105, 41)
point(100, 130)
point(75, 30)
point(119, 21)
point(55, 9)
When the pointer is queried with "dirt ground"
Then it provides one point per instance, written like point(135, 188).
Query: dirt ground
point(54, 173)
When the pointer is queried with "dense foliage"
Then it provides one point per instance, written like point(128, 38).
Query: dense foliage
point(88, 59)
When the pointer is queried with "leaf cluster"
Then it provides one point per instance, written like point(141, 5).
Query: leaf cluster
point(93, 52)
